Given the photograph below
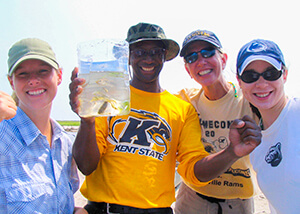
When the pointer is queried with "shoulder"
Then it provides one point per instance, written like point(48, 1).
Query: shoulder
point(9, 126)
point(60, 133)
point(240, 98)
point(180, 100)
point(6, 126)
point(295, 101)
point(181, 108)
point(10, 138)
point(293, 107)
point(188, 93)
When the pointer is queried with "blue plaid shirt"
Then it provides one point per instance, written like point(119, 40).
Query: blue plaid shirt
point(35, 178)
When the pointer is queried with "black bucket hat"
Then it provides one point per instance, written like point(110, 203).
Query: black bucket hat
point(151, 32)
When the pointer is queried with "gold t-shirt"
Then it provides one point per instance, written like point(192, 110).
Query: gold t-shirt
point(215, 118)
point(139, 152)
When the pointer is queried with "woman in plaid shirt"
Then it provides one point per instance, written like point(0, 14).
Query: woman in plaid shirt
point(37, 171)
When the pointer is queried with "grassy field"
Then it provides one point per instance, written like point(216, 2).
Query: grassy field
point(68, 123)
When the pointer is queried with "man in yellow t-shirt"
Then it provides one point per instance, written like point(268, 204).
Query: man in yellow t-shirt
point(129, 161)
point(218, 103)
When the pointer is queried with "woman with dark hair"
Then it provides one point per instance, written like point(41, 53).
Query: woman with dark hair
point(262, 73)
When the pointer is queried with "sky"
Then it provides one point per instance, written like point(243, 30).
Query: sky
point(65, 23)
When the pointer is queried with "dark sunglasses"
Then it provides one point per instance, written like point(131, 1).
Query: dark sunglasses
point(250, 76)
point(205, 53)
point(155, 52)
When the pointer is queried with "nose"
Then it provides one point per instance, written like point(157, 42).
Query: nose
point(261, 82)
point(148, 57)
point(33, 79)
point(201, 60)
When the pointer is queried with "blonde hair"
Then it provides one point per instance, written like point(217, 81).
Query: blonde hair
point(15, 98)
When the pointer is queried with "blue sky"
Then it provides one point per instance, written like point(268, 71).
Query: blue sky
point(65, 23)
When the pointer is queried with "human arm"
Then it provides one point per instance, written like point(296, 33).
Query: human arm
point(8, 106)
point(85, 149)
point(79, 210)
point(244, 136)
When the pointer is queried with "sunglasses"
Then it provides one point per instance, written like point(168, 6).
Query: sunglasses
point(250, 76)
point(155, 52)
point(205, 53)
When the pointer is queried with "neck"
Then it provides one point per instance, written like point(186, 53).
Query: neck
point(216, 90)
point(41, 118)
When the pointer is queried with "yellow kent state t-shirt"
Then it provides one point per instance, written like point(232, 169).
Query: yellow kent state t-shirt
point(215, 119)
point(139, 152)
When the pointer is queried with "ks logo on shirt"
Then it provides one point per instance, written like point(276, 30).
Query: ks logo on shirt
point(141, 129)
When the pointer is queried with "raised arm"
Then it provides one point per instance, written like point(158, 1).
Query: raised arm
point(85, 149)
point(244, 137)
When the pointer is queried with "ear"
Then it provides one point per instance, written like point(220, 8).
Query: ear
point(224, 58)
point(59, 76)
point(239, 80)
point(187, 69)
point(284, 74)
point(10, 79)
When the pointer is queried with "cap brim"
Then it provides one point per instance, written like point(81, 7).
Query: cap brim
point(172, 47)
point(205, 39)
point(265, 58)
point(32, 56)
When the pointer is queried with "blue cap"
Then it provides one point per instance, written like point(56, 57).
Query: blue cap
point(259, 49)
point(200, 35)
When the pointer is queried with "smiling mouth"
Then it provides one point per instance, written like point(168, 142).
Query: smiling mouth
point(36, 92)
point(202, 73)
point(262, 95)
point(148, 69)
